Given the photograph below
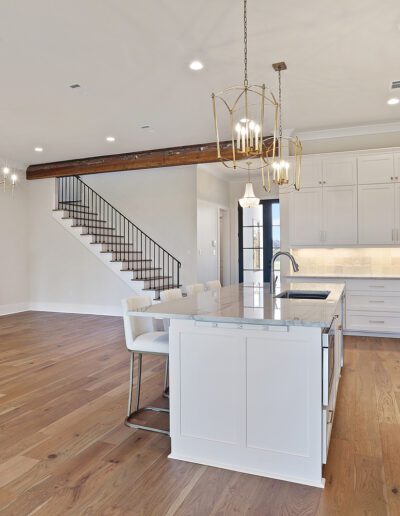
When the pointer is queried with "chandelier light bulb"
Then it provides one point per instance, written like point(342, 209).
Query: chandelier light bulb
point(6, 170)
point(14, 178)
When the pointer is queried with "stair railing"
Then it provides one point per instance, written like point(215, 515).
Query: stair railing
point(139, 253)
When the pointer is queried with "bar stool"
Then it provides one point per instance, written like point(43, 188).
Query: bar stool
point(168, 295)
point(213, 285)
point(196, 288)
point(141, 338)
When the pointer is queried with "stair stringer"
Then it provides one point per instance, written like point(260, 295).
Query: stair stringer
point(126, 276)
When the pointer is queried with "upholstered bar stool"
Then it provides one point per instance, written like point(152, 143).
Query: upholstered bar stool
point(141, 338)
point(194, 289)
point(168, 295)
point(213, 285)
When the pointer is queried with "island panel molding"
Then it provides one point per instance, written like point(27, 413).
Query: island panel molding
point(155, 158)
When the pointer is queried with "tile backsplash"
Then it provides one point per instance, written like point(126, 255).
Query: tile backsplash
point(376, 261)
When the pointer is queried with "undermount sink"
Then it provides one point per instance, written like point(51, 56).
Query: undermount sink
point(303, 294)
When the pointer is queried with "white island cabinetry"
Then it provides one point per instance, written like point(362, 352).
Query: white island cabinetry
point(250, 377)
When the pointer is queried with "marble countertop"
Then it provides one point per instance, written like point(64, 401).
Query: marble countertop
point(360, 275)
point(253, 305)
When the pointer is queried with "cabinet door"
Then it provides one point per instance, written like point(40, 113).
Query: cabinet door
point(397, 166)
point(376, 168)
point(311, 172)
point(376, 214)
point(306, 217)
point(340, 215)
point(339, 171)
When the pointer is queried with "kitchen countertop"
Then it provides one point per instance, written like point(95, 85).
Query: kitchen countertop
point(344, 276)
point(247, 304)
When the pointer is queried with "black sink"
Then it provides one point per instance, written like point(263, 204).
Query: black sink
point(303, 294)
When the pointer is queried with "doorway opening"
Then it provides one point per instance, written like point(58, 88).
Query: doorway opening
point(259, 240)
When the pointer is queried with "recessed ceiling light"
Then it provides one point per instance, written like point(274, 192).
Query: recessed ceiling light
point(196, 65)
point(38, 149)
point(110, 139)
point(393, 101)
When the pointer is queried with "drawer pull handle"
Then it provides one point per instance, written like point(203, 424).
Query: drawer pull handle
point(377, 322)
point(377, 286)
point(370, 301)
point(330, 416)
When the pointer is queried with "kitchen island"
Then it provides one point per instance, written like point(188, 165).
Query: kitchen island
point(254, 377)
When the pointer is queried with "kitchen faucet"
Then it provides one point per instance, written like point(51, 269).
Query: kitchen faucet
point(273, 279)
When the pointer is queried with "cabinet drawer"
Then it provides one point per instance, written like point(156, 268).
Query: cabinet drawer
point(378, 322)
point(372, 285)
point(371, 302)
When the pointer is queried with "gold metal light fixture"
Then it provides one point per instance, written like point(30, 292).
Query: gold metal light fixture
point(282, 172)
point(244, 113)
point(9, 179)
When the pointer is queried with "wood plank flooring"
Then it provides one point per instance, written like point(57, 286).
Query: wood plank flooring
point(64, 448)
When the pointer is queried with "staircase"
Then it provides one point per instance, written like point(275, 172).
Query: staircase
point(138, 260)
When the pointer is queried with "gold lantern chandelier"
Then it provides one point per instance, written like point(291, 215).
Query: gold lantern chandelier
point(282, 172)
point(241, 111)
point(8, 180)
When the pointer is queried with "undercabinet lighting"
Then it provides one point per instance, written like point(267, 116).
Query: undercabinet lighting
point(110, 139)
point(196, 65)
point(393, 101)
point(38, 149)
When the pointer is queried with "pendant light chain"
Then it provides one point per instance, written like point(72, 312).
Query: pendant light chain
point(280, 109)
point(246, 82)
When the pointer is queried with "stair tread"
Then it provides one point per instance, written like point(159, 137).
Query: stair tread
point(142, 270)
point(152, 278)
point(132, 261)
point(83, 218)
point(76, 211)
point(89, 227)
point(158, 289)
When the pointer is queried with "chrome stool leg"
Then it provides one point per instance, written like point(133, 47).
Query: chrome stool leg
point(131, 414)
point(166, 379)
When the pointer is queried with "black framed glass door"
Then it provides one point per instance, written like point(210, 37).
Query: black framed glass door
point(259, 239)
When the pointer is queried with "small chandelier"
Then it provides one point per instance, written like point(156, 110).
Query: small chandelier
point(249, 200)
point(8, 180)
point(280, 166)
point(240, 112)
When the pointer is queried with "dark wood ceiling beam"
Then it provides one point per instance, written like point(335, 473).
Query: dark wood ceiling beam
point(157, 158)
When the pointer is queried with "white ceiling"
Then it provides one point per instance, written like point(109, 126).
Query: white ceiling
point(131, 60)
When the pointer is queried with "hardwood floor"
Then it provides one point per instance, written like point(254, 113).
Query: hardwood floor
point(64, 448)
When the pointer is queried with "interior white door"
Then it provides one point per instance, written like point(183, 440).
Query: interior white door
point(306, 217)
point(340, 215)
point(311, 172)
point(339, 171)
point(376, 214)
point(375, 168)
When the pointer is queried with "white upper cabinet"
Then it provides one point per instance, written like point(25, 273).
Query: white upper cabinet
point(311, 172)
point(376, 168)
point(376, 214)
point(338, 171)
point(306, 217)
point(340, 215)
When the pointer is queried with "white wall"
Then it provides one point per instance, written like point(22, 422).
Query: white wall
point(14, 274)
point(64, 276)
point(162, 203)
point(212, 195)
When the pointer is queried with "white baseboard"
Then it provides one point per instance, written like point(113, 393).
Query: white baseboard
point(76, 309)
point(14, 308)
